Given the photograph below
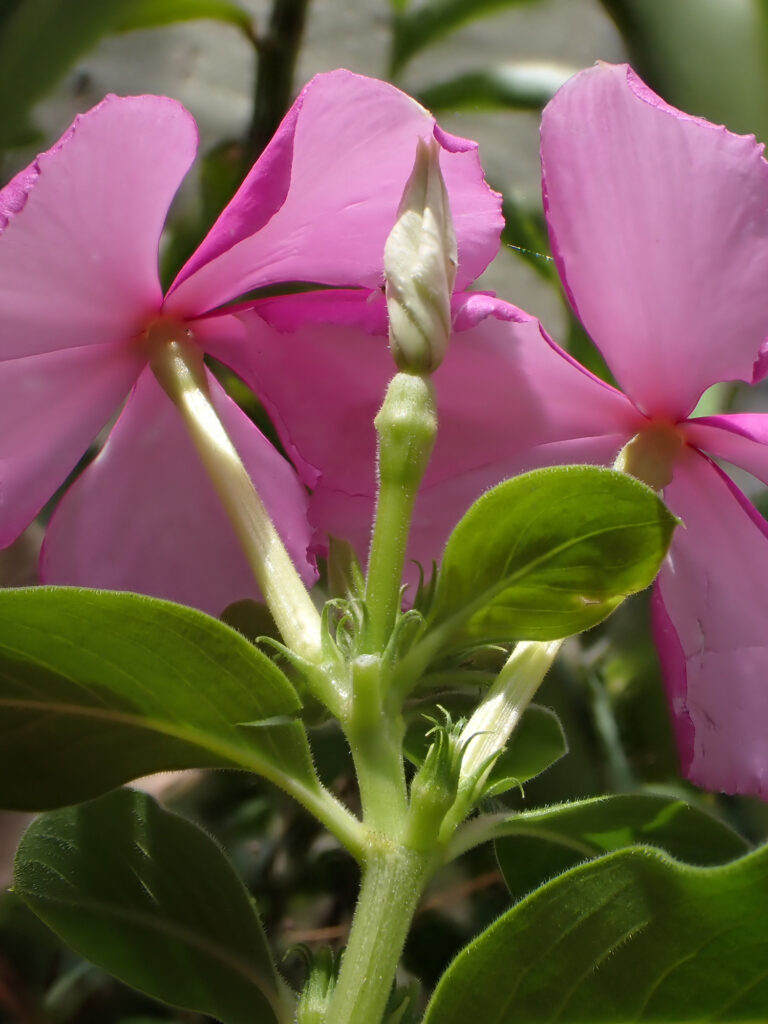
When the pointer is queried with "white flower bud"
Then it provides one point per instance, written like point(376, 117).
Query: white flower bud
point(420, 259)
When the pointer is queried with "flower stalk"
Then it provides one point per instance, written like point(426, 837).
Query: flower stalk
point(178, 365)
point(487, 732)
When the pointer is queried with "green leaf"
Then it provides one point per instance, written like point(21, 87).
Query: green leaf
point(152, 899)
point(41, 39)
point(136, 14)
point(707, 57)
point(97, 688)
point(633, 936)
point(547, 554)
point(546, 842)
point(502, 87)
point(427, 22)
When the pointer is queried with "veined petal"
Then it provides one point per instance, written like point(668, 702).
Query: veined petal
point(659, 225)
point(144, 516)
point(51, 407)
point(80, 227)
point(714, 593)
point(739, 438)
point(320, 202)
point(504, 391)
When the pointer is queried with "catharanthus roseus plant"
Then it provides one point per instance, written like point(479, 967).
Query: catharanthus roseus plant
point(407, 403)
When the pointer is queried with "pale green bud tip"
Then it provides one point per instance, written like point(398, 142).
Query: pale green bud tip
point(420, 259)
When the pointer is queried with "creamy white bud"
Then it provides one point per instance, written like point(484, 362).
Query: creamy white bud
point(420, 258)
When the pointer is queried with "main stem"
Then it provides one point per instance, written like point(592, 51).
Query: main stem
point(178, 365)
point(393, 881)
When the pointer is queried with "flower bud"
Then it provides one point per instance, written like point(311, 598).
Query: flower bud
point(420, 258)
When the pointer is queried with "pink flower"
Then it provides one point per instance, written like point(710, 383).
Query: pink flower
point(79, 293)
point(659, 224)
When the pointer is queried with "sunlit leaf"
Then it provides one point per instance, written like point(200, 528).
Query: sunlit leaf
point(547, 554)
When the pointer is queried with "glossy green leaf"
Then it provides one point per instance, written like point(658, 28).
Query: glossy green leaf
point(149, 897)
point(97, 688)
point(707, 57)
point(547, 554)
point(633, 936)
point(503, 87)
point(422, 24)
point(41, 39)
point(546, 842)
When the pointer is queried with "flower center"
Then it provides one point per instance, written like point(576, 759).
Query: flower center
point(651, 455)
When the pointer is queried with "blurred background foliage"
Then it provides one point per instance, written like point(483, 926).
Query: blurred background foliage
point(486, 68)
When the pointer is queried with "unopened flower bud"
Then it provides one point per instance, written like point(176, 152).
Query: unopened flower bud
point(420, 259)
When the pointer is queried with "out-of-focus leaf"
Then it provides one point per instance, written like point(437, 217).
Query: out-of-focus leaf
point(98, 688)
point(523, 86)
point(41, 39)
point(707, 57)
point(419, 25)
point(152, 899)
point(134, 14)
point(632, 936)
point(525, 232)
point(535, 845)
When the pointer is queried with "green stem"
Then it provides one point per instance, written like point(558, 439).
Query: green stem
point(407, 427)
point(178, 365)
point(376, 740)
point(393, 881)
point(278, 51)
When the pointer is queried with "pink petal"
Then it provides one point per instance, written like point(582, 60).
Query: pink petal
point(144, 517)
point(81, 225)
point(659, 224)
point(504, 391)
point(320, 202)
point(740, 438)
point(714, 592)
point(51, 407)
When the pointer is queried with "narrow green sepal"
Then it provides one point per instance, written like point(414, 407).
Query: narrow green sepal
point(435, 785)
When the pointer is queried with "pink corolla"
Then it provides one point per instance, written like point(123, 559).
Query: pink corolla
point(659, 226)
point(81, 307)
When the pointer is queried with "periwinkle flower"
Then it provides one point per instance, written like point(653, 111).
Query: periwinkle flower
point(81, 307)
point(659, 227)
